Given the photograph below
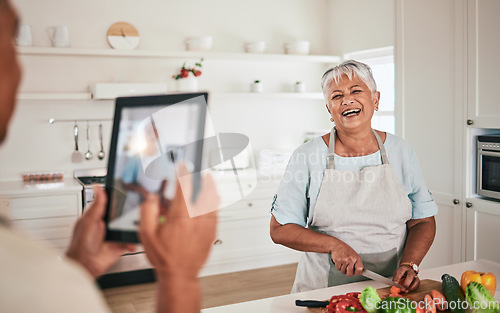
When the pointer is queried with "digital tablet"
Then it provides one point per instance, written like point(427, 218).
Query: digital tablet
point(150, 135)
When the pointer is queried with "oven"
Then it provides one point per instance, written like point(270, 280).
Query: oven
point(132, 268)
point(488, 166)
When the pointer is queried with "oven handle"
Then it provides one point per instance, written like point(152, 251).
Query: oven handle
point(489, 153)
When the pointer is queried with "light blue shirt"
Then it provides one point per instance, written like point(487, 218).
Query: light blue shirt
point(302, 178)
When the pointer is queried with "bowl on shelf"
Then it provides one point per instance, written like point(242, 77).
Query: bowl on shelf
point(201, 43)
point(297, 47)
point(255, 47)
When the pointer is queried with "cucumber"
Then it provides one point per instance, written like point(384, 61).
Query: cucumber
point(453, 293)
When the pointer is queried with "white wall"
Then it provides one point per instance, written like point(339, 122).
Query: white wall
point(356, 25)
point(35, 145)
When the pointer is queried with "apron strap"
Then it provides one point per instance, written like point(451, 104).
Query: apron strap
point(331, 149)
point(383, 154)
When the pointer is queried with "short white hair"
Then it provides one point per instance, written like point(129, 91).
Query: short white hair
point(350, 68)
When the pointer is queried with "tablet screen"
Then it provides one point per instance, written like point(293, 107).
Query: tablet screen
point(148, 140)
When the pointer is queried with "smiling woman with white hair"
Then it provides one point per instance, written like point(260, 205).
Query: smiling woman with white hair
point(354, 198)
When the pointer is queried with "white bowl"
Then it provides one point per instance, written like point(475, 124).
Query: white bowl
point(202, 43)
point(297, 47)
point(255, 47)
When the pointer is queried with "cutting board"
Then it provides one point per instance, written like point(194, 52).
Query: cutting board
point(426, 286)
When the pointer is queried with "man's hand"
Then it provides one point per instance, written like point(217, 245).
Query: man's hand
point(180, 244)
point(88, 246)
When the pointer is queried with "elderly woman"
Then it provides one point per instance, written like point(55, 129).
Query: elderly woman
point(354, 198)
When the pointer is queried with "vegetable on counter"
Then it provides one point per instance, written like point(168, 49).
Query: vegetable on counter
point(395, 292)
point(453, 294)
point(345, 303)
point(480, 300)
point(439, 300)
point(372, 303)
point(488, 280)
point(369, 299)
point(396, 305)
point(430, 305)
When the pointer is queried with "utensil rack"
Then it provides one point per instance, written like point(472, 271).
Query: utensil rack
point(53, 120)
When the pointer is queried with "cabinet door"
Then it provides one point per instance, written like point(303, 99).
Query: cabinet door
point(49, 219)
point(429, 89)
point(483, 219)
point(483, 62)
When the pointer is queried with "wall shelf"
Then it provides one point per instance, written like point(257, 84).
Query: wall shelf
point(214, 95)
point(50, 51)
point(54, 96)
point(268, 95)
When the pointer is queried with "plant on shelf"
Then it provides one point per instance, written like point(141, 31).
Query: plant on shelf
point(184, 72)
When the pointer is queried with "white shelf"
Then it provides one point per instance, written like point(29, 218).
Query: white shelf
point(54, 96)
point(215, 95)
point(272, 95)
point(50, 51)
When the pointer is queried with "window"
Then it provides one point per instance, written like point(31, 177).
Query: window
point(382, 63)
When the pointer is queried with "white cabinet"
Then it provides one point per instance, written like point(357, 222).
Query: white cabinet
point(243, 241)
point(48, 217)
point(483, 231)
point(483, 63)
point(430, 83)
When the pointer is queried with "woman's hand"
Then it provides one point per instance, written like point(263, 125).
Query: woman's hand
point(346, 260)
point(406, 277)
point(87, 244)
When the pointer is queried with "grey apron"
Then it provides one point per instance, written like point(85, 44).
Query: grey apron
point(367, 210)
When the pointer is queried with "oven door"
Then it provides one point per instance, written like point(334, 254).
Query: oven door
point(488, 174)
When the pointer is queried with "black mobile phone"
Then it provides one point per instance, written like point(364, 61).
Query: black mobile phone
point(151, 134)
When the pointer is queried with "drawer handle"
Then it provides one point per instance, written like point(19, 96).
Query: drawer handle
point(250, 204)
point(218, 242)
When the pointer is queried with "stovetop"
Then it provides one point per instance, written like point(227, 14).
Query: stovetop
point(92, 180)
point(91, 177)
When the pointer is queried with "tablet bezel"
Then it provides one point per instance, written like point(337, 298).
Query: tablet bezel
point(144, 101)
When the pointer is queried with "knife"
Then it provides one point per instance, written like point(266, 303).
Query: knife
point(377, 277)
point(312, 303)
point(381, 279)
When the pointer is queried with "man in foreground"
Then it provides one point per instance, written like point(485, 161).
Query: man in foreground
point(34, 279)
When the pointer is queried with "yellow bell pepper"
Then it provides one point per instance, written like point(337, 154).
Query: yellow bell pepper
point(488, 280)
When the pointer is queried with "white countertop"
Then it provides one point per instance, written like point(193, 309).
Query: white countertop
point(10, 188)
point(286, 303)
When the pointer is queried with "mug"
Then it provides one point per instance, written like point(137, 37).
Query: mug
point(59, 35)
point(24, 37)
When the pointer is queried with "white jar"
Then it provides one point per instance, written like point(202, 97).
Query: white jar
point(299, 87)
point(256, 86)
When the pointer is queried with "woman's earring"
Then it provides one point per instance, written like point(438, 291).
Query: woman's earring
point(331, 119)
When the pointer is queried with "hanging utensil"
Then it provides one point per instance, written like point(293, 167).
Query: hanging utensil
point(89, 154)
point(101, 153)
point(76, 157)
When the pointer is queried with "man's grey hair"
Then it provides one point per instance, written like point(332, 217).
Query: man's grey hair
point(350, 68)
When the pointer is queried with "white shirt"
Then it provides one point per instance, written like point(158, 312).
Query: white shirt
point(34, 279)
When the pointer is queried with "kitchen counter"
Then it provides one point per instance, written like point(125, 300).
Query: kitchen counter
point(20, 188)
point(286, 303)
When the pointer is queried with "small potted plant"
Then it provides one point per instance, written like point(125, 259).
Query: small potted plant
point(186, 77)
